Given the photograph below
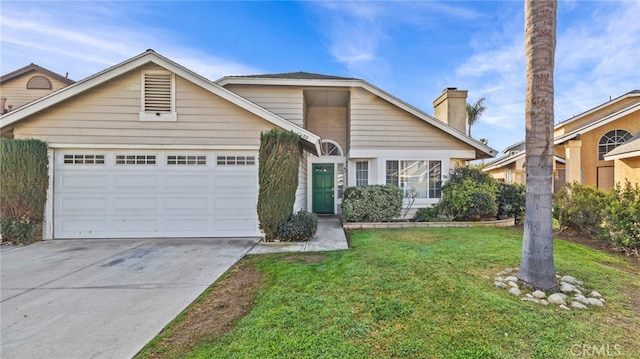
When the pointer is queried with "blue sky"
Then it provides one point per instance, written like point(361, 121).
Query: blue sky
point(410, 49)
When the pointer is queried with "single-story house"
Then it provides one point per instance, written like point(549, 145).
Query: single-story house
point(586, 147)
point(149, 148)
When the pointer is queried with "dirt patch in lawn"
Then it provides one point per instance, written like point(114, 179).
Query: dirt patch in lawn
point(214, 314)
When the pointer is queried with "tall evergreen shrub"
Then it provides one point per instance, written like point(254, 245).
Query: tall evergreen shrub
point(278, 178)
point(23, 187)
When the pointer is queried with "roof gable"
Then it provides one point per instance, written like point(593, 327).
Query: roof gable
point(315, 80)
point(150, 56)
point(34, 68)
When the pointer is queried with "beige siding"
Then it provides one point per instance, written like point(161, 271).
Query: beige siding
point(573, 124)
point(377, 124)
point(17, 93)
point(286, 102)
point(109, 114)
point(330, 123)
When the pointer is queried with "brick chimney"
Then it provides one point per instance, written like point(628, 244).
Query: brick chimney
point(451, 108)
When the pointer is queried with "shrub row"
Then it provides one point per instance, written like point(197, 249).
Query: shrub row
point(23, 188)
point(613, 216)
point(373, 203)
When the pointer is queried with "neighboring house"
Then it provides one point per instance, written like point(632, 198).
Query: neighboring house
point(148, 148)
point(27, 84)
point(586, 147)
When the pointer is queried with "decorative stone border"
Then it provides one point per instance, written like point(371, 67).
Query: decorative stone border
point(509, 222)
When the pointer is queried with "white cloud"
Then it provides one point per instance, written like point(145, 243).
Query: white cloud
point(83, 38)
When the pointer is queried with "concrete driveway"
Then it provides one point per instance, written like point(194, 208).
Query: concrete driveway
point(103, 298)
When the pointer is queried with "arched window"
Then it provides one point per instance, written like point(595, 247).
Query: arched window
point(611, 140)
point(330, 148)
point(39, 83)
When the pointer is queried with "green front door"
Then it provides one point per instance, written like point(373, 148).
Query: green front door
point(322, 183)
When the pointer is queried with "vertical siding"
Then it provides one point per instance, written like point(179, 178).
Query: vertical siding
point(17, 93)
point(301, 191)
point(377, 124)
point(109, 114)
point(286, 102)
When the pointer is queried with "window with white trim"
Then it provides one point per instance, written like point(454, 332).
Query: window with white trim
point(82, 159)
point(158, 96)
point(424, 177)
point(236, 160)
point(362, 173)
point(135, 159)
point(508, 176)
point(611, 140)
point(187, 160)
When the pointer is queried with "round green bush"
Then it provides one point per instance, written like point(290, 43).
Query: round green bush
point(299, 227)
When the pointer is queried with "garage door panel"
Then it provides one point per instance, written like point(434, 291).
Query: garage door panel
point(81, 181)
point(137, 225)
point(186, 182)
point(76, 228)
point(135, 203)
point(82, 204)
point(187, 225)
point(135, 181)
point(160, 199)
point(186, 203)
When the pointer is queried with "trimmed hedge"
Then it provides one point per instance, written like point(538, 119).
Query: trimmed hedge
point(372, 203)
point(279, 157)
point(23, 188)
point(299, 227)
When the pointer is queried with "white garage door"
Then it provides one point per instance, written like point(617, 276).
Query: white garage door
point(125, 194)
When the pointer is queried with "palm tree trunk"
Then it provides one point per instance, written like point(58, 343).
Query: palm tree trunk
point(537, 268)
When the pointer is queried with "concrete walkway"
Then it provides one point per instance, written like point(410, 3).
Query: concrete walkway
point(330, 237)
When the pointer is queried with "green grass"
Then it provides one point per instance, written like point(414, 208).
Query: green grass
point(424, 293)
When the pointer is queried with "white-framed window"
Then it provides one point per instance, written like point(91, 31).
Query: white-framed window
point(422, 176)
point(158, 96)
point(135, 159)
point(186, 160)
point(83, 159)
point(611, 140)
point(236, 160)
point(362, 173)
point(508, 176)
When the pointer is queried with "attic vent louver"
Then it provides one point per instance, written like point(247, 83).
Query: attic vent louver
point(157, 93)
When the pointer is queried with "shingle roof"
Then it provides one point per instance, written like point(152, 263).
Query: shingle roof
point(300, 75)
point(35, 68)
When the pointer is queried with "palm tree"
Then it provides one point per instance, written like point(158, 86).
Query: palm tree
point(537, 268)
point(474, 112)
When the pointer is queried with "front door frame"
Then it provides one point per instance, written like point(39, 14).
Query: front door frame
point(318, 206)
point(335, 160)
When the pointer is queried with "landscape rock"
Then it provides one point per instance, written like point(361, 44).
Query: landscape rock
point(562, 306)
point(513, 284)
point(511, 279)
point(568, 279)
point(515, 291)
point(557, 298)
point(581, 298)
point(539, 294)
point(594, 301)
point(544, 302)
point(499, 284)
point(578, 305)
point(595, 294)
point(566, 287)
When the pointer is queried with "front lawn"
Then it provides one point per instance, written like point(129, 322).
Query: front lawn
point(415, 293)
